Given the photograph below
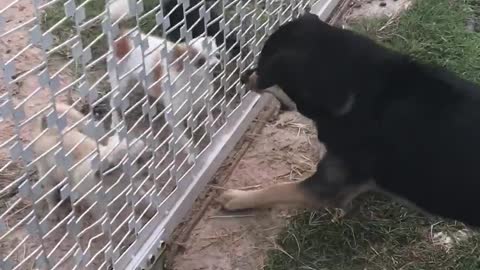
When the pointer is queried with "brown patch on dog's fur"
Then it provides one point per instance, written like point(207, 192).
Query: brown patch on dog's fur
point(180, 52)
point(122, 47)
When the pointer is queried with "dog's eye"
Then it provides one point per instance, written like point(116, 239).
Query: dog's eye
point(144, 158)
point(201, 61)
point(107, 168)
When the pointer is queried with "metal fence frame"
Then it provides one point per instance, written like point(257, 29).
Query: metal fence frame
point(150, 238)
point(201, 175)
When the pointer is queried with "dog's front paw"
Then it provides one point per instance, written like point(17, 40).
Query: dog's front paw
point(234, 199)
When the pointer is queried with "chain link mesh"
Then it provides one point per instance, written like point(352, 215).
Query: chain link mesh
point(104, 117)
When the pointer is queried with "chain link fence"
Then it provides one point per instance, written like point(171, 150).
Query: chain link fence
point(114, 115)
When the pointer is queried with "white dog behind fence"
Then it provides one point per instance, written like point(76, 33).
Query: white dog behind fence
point(187, 66)
point(179, 79)
point(82, 149)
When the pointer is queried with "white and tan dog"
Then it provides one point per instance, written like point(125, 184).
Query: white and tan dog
point(81, 149)
point(187, 66)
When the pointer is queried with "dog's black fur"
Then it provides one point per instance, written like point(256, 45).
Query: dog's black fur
point(197, 25)
point(412, 128)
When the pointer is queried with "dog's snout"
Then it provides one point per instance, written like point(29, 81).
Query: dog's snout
point(245, 77)
point(250, 79)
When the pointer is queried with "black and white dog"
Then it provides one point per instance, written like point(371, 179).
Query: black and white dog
point(195, 23)
point(192, 19)
point(389, 123)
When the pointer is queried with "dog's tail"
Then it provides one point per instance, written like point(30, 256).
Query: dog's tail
point(119, 10)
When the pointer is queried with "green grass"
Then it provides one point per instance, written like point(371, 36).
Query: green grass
point(383, 234)
point(433, 32)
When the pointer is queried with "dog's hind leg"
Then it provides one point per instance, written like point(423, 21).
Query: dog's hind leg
point(331, 186)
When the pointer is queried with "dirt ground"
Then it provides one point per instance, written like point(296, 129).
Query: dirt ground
point(369, 9)
point(285, 150)
point(11, 45)
point(28, 93)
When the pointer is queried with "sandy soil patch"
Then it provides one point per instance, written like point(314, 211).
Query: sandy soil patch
point(285, 150)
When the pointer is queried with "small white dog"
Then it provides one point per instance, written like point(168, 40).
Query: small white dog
point(81, 149)
point(187, 66)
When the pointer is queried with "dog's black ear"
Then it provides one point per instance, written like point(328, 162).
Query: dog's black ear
point(279, 68)
point(303, 85)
